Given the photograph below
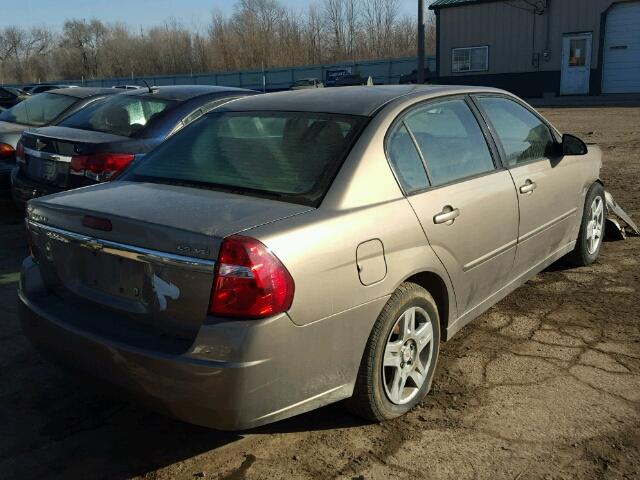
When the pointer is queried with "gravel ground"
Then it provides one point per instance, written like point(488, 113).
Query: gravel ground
point(546, 384)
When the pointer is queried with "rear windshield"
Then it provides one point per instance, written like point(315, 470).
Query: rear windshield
point(15, 91)
point(38, 110)
point(290, 156)
point(119, 114)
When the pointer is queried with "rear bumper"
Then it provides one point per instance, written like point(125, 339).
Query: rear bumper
point(23, 189)
point(235, 375)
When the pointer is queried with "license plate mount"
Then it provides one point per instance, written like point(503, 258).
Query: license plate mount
point(48, 170)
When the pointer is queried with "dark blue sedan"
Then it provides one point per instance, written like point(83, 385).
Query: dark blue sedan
point(99, 141)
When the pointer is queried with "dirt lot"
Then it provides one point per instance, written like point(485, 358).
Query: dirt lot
point(544, 385)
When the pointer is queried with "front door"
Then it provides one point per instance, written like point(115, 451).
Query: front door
point(467, 207)
point(576, 64)
point(548, 185)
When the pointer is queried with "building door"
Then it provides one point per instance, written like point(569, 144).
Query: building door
point(621, 69)
point(576, 64)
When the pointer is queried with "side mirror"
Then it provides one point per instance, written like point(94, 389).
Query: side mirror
point(572, 145)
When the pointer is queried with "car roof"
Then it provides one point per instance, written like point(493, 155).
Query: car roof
point(358, 100)
point(183, 92)
point(83, 92)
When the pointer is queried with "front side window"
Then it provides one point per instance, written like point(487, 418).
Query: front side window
point(38, 110)
point(119, 114)
point(523, 136)
point(450, 140)
point(292, 156)
point(470, 59)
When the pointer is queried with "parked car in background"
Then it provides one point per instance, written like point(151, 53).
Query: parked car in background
point(127, 87)
point(9, 96)
point(37, 111)
point(413, 76)
point(45, 87)
point(352, 80)
point(98, 142)
point(305, 83)
point(294, 249)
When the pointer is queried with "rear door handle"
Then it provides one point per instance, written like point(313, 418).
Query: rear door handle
point(528, 187)
point(447, 216)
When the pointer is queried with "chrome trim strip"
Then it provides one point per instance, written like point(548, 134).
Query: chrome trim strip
point(546, 226)
point(131, 252)
point(488, 256)
point(46, 155)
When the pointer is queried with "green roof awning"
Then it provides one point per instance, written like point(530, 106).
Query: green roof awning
point(455, 3)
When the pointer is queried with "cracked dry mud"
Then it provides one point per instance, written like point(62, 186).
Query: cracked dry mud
point(546, 384)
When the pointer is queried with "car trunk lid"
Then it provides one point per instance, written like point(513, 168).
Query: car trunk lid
point(48, 153)
point(155, 264)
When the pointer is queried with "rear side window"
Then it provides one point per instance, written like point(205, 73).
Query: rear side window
point(405, 160)
point(288, 155)
point(450, 140)
point(523, 136)
point(123, 115)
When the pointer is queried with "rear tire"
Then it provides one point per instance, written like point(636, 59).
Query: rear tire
point(591, 228)
point(400, 358)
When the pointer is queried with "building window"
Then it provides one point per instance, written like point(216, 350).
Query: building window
point(470, 59)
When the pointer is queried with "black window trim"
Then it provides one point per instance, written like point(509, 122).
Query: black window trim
point(489, 140)
point(494, 134)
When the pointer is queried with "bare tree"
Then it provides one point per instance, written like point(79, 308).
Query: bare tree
point(257, 33)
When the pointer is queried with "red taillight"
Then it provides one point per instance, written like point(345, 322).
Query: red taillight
point(100, 166)
point(6, 150)
point(20, 158)
point(250, 281)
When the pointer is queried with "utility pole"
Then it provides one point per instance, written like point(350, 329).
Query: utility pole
point(420, 70)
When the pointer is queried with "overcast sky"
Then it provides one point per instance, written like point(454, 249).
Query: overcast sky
point(133, 12)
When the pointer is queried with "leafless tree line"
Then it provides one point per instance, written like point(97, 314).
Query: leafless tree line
point(259, 33)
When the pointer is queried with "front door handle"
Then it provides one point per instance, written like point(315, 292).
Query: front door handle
point(528, 187)
point(447, 216)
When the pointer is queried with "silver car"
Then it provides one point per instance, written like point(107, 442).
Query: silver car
point(294, 249)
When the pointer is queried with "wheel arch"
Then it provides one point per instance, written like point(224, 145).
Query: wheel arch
point(437, 287)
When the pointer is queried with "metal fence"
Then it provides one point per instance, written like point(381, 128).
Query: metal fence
point(381, 71)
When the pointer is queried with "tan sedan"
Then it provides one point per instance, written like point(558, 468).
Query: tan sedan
point(294, 249)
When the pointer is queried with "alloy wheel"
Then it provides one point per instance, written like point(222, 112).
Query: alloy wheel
point(595, 225)
point(407, 356)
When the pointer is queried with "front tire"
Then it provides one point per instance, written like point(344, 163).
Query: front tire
point(592, 227)
point(400, 358)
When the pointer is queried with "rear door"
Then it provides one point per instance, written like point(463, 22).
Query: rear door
point(548, 185)
point(464, 200)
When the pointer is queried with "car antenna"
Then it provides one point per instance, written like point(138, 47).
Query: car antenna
point(151, 89)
